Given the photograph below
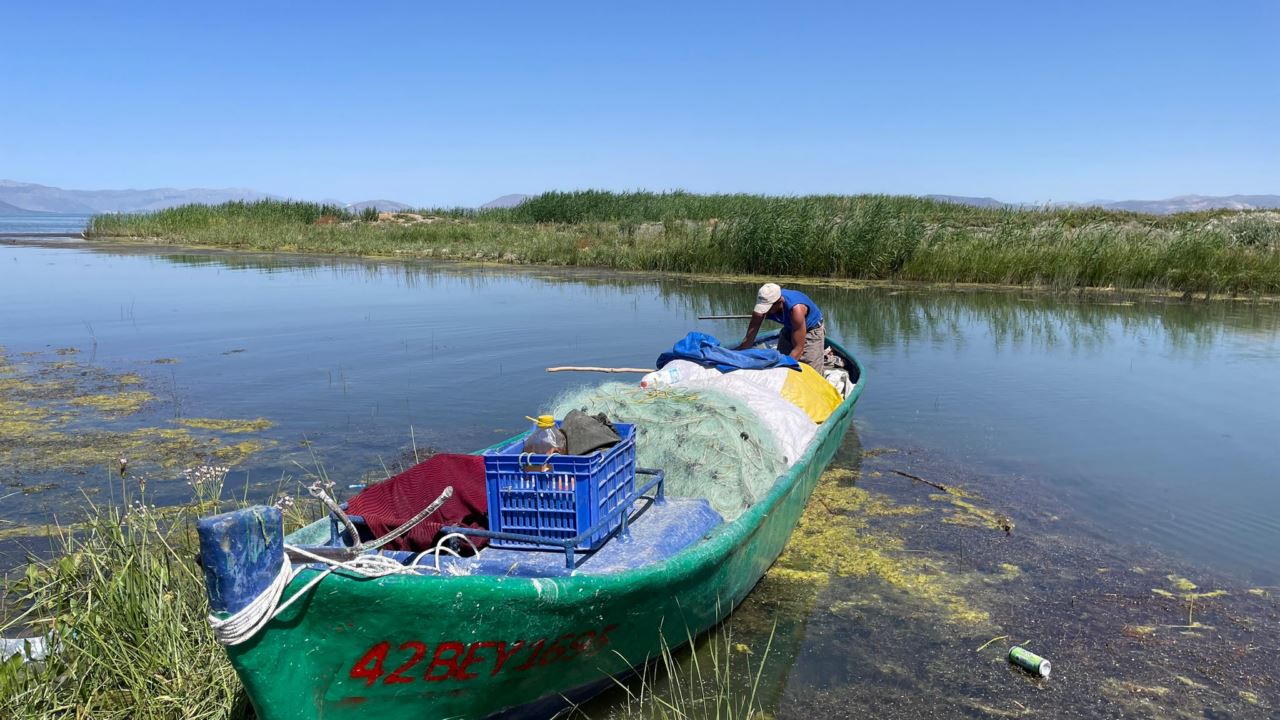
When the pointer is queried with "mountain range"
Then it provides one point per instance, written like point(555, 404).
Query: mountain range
point(19, 198)
point(1169, 206)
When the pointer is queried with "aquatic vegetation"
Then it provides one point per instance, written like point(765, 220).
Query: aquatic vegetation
point(703, 681)
point(830, 236)
point(226, 425)
point(964, 512)
point(835, 539)
point(116, 404)
point(71, 415)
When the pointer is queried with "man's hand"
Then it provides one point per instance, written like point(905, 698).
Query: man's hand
point(752, 329)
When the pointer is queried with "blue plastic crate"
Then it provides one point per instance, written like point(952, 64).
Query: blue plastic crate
point(576, 493)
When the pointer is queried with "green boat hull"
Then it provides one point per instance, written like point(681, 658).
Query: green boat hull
point(473, 646)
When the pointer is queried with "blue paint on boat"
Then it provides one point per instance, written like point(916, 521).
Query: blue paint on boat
point(242, 552)
point(657, 534)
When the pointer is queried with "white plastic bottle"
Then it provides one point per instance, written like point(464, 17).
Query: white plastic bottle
point(546, 439)
point(666, 377)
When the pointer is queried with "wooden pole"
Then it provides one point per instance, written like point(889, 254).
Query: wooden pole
point(724, 317)
point(573, 368)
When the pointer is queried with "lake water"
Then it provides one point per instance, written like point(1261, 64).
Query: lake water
point(42, 224)
point(1152, 426)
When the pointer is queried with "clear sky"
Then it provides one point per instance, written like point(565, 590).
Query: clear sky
point(456, 103)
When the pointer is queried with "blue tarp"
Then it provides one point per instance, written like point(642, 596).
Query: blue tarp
point(708, 352)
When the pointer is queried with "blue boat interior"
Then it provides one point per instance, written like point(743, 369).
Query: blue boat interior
point(655, 533)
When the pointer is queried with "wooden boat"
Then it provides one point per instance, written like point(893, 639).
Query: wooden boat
point(515, 643)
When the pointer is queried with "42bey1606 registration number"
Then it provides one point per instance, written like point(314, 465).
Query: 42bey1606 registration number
point(452, 660)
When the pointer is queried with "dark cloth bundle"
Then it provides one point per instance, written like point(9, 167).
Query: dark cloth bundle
point(584, 434)
point(394, 501)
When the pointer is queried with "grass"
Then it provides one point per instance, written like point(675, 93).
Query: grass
point(710, 679)
point(831, 236)
point(122, 603)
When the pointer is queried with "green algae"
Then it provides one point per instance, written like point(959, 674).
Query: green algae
point(965, 512)
point(67, 415)
point(835, 540)
point(116, 404)
point(226, 425)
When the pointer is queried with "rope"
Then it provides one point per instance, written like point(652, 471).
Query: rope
point(246, 623)
point(441, 546)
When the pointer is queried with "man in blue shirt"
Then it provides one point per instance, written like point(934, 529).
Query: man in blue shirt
point(804, 336)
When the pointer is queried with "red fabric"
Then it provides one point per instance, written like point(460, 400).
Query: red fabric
point(389, 504)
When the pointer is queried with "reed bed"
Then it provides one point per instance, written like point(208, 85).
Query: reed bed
point(859, 237)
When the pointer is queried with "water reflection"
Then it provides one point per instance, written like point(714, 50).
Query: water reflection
point(1152, 416)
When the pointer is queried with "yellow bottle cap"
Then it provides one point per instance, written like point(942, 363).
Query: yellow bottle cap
point(544, 421)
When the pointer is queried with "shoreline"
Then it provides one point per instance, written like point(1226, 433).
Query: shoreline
point(1093, 292)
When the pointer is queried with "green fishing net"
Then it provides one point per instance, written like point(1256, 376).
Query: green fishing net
point(710, 444)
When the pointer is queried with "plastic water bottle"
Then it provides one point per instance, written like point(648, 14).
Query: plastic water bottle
point(546, 439)
point(666, 377)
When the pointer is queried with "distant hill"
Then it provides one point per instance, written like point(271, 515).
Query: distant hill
point(7, 209)
point(983, 202)
point(380, 206)
point(506, 201)
point(43, 198)
point(1193, 203)
point(1169, 206)
point(26, 198)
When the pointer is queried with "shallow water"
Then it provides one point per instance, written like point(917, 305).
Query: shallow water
point(42, 224)
point(1119, 429)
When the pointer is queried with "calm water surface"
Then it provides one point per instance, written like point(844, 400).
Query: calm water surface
point(1150, 428)
point(1157, 422)
point(43, 224)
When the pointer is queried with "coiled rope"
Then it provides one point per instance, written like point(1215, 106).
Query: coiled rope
point(246, 623)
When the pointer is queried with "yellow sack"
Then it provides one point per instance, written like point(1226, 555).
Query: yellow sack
point(811, 392)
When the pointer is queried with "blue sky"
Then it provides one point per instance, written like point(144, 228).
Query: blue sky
point(456, 103)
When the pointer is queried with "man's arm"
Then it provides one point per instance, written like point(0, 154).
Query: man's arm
point(798, 315)
point(752, 329)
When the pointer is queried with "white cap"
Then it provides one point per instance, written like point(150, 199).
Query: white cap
point(766, 297)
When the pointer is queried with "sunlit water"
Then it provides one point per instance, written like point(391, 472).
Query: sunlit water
point(1149, 427)
point(42, 224)
point(1157, 422)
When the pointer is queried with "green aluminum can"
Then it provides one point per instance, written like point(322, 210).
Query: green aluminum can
point(1029, 661)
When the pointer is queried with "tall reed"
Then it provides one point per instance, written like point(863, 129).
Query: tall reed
point(861, 237)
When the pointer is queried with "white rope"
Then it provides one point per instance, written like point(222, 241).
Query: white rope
point(441, 546)
point(249, 620)
point(246, 623)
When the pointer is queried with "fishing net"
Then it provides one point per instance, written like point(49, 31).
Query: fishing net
point(710, 444)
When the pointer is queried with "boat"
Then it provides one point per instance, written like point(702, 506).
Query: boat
point(520, 643)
